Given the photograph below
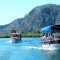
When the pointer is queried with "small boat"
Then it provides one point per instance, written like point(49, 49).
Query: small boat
point(15, 37)
point(54, 43)
point(51, 45)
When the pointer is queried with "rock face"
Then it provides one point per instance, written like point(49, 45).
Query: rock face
point(37, 18)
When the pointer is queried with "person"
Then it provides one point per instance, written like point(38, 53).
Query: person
point(50, 36)
point(45, 35)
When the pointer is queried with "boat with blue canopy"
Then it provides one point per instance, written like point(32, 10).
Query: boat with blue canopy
point(51, 29)
point(54, 42)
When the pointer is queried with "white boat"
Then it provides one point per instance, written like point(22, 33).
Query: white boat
point(15, 37)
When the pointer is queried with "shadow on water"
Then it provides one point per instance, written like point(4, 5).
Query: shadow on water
point(55, 56)
point(51, 55)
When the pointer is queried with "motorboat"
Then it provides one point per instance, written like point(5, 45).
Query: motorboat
point(15, 37)
point(53, 43)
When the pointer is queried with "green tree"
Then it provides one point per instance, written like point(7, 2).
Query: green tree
point(13, 31)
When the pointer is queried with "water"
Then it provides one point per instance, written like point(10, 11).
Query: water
point(28, 49)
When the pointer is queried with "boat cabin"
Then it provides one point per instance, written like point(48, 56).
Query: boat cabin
point(15, 35)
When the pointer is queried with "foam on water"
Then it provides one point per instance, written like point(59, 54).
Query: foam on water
point(39, 48)
point(9, 42)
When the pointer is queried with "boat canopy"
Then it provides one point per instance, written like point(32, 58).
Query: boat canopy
point(51, 29)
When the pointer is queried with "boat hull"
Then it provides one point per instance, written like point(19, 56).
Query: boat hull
point(15, 40)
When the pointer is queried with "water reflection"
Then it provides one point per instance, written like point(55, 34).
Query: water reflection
point(51, 55)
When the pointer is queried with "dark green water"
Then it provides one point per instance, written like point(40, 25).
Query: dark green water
point(28, 49)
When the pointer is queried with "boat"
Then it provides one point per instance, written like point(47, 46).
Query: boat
point(53, 43)
point(15, 37)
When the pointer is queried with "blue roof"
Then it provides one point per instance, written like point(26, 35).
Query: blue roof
point(49, 29)
point(46, 29)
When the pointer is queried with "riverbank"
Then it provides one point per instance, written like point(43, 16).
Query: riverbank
point(23, 35)
point(29, 35)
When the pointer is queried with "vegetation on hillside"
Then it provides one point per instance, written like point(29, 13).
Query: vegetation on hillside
point(37, 18)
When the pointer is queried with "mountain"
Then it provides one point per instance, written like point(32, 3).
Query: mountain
point(37, 18)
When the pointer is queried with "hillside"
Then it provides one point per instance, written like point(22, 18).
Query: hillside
point(37, 18)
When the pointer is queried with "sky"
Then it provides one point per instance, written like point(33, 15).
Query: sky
point(13, 9)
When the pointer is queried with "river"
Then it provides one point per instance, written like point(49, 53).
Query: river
point(28, 49)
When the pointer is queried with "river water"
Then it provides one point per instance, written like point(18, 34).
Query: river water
point(28, 49)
